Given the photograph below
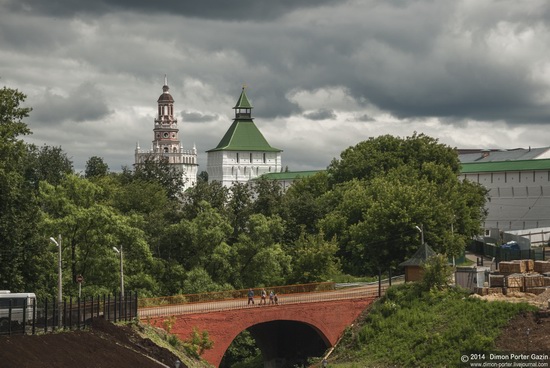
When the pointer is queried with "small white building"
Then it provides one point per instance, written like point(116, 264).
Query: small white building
point(243, 153)
point(166, 143)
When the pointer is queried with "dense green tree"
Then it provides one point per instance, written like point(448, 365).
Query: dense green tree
point(212, 192)
point(90, 229)
point(199, 281)
point(268, 197)
point(242, 349)
point(313, 259)
point(258, 256)
point(11, 119)
point(161, 171)
point(202, 177)
point(150, 203)
point(397, 184)
point(376, 156)
point(47, 163)
point(23, 255)
point(239, 207)
point(191, 242)
point(96, 167)
point(301, 207)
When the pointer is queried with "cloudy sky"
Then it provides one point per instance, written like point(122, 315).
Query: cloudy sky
point(322, 75)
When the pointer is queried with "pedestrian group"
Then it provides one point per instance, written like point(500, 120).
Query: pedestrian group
point(273, 298)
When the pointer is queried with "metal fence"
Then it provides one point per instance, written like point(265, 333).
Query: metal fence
point(233, 294)
point(295, 294)
point(502, 254)
point(48, 315)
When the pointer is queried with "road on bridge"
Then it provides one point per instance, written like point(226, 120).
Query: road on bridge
point(353, 292)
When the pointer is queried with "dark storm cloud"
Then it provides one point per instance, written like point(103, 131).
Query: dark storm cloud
point(197, 117)
point(361, 60)
point(210, 9)
point(85, 103)
point(321, 114)
point(365, 118)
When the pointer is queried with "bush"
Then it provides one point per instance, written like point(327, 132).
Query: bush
point(437, 273)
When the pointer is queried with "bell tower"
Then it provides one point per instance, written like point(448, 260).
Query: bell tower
point(166, 143)
point(165, 132)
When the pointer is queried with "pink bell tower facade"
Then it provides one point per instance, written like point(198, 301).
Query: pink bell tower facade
point(166, 143)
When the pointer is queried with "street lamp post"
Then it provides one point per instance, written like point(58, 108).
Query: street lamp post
point(421, 229)
point(121, 271)
point(59, 280)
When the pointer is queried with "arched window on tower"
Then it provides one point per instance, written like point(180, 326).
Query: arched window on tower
point(165, 149)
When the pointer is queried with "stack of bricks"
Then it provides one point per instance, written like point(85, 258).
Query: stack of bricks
point(525, 275)
point(542, 266)
point(529, 265)
point(496, 281)
point(515, 282)
point(511, 267)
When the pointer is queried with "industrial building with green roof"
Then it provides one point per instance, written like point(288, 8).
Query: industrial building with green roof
point(518, 189)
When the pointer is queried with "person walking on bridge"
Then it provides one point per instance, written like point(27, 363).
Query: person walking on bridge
point(263, 300)
point(271, 297)
point(250, 296)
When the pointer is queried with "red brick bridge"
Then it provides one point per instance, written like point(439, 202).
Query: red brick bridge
point(301, 325)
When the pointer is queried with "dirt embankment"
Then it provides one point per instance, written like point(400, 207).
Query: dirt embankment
point(104, 346)
point(526, 332)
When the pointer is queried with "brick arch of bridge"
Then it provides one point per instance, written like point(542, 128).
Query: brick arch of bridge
point(328, 318)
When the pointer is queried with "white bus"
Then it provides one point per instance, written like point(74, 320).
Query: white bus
point(15, 307)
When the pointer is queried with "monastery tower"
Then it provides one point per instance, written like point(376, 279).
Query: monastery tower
point(243, 153)
point(166, 144)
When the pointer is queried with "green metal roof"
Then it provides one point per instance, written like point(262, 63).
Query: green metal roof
point(466, 168)
point(243, 135)
point(289, 175)
point(521, 165)
point(243, 102)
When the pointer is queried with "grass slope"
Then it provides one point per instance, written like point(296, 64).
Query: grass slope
point(410, 327)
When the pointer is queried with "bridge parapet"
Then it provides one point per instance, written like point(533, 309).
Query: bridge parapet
point(181, 305)
point(234, 294)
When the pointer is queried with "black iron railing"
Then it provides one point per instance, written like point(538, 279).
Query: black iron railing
point(73, 313)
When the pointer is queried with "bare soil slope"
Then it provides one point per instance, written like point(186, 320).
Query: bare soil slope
point(526, 333)
point(103, 346)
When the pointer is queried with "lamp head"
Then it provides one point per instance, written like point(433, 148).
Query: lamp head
point(54, 241)
point(419, 229)
point(116, 250)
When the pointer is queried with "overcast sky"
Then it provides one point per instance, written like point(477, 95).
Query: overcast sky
point(322, 75)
